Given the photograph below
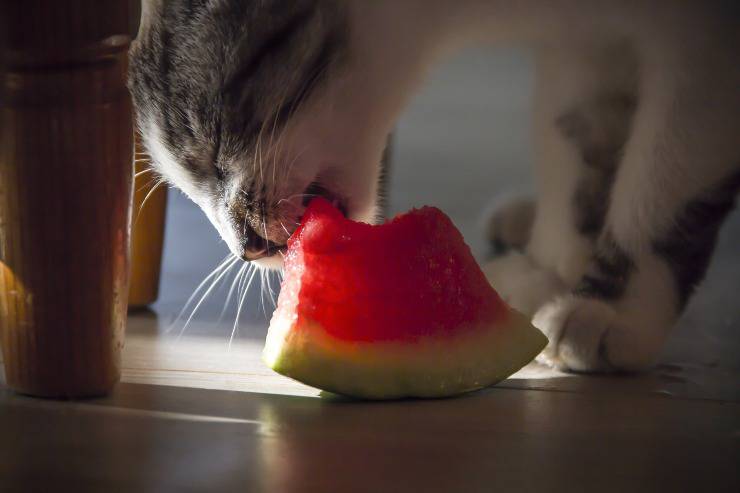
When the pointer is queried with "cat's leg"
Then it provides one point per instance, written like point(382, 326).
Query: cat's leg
point(510, 223)
point(677, 181)
point(575, 151)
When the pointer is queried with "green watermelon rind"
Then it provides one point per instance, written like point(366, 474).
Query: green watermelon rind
point(471, 359)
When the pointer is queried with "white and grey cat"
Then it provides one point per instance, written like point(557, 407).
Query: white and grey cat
point(249, 107)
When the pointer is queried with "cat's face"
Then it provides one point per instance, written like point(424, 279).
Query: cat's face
point(251, 109)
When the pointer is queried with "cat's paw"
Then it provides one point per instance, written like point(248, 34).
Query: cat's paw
point(576, 329)
point(521, 283)
point(590, 335)
point(509, 223)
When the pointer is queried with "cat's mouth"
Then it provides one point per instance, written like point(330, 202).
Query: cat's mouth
point(272, 254)
point(316, 189)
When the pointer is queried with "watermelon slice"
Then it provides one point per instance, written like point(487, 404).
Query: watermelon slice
point(396, 310)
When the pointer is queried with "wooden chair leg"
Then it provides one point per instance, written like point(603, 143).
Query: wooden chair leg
point(66, 145)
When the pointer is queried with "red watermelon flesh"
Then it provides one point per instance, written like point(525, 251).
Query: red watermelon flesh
point(394, 310)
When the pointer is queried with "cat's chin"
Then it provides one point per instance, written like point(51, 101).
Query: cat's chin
point(273, 262)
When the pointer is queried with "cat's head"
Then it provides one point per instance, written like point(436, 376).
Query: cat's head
point(253, 107)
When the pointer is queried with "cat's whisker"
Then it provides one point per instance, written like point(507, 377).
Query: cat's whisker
point(284, 228)
point(258, 142)
point(259, 161)
point(258, 149)
point(245, 284)
point(143, 172)
point(232, 288)
point(222, 265)
point(278, 147)
point(208, 291)
point(305, 91)
point(295, 107)
point(146, 199)
point(264, 224)
point(273, 295)
point(267, 290)
point(149, 183)
point(279, 276)
point(241, 302)
point(262, 291)
point(289, 168)
point(303, 195)
point(242, 276)
point(276, 150)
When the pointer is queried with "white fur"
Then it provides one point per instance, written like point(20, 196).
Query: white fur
point(576, 329)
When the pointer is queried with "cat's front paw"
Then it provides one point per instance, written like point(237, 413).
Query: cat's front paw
point(590, 335)
point(576, 329)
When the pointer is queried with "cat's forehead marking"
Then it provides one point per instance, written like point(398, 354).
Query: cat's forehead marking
point(167, 165)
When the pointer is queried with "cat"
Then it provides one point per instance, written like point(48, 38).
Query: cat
point(253, 107)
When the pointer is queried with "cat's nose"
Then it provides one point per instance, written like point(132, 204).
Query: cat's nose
point(255, 247)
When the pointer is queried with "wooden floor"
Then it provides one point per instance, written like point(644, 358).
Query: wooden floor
point(195, 414)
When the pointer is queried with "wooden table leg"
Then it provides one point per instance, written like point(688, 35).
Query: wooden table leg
point(66, 145)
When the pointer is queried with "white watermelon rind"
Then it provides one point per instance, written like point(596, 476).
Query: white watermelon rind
point(433, 367)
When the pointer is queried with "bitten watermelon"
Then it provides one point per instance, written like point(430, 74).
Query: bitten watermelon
point(395, 310)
